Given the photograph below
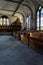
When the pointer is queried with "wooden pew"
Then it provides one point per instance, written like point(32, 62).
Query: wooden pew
point(37, 37)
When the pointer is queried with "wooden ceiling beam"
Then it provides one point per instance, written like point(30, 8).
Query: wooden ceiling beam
point(6, 10)
point(17, 8)
point(13, 1)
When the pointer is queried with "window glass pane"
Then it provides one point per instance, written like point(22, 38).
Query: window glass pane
point(0, 21)
point(40, 8)
point(4, 21)
point(38, 20)
point(7, 21)
point(28, 22)
point(42, 19)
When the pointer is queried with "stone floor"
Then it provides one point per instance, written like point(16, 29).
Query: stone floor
point(14, 52)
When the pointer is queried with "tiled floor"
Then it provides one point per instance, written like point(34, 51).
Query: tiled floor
point(13, 52)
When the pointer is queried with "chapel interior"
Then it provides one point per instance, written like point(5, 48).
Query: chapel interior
point(21, 32)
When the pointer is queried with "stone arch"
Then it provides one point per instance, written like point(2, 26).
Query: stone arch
point(30, 9)
point(17, 25)
point(4, 16)
point(20, 16)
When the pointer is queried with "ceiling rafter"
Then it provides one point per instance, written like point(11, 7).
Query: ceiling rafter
point(14, 11)
point(13, 1)
point(6, 10)
point(17, 8)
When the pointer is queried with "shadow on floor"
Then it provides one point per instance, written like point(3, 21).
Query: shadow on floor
point(37, 48)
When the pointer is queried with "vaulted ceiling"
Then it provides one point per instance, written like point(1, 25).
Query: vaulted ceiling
point(12, 6)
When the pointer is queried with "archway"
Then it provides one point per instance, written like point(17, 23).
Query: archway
point(20, 16)
point(17, 25)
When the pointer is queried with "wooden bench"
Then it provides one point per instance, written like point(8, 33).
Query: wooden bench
point(37, 37)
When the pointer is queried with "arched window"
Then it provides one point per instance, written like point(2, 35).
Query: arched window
point(40, 18)
point(28, 22)
point(4, 20)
